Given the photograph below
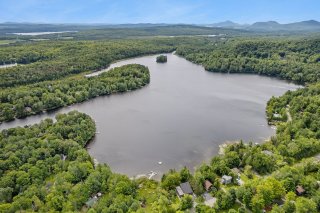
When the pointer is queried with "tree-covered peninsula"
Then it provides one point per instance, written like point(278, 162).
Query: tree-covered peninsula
point(54, 60)
point(22, 101)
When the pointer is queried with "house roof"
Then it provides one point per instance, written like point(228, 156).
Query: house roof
point(210, 202)
point(267, 152)
point(207, 184)
point(207, 196)
point(186, 188)
point(226, 177)
point(91, 201)
point(236, 170)
point(179, 191)
point(300, 189)
point(279, 202)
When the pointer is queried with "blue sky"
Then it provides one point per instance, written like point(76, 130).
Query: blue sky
point(158, 11)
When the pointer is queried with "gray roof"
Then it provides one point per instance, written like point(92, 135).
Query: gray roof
point(267, 152)
point(236, 170)
point(226, 177)
point(207, 196)
point(179, 191)
point(186, 188)
point(91, 201)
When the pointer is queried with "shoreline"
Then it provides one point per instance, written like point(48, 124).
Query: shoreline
point(221, 146)
point(108, 68)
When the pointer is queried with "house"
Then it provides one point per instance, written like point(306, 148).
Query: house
point(279, 202)
point(207, 185)
point(268, 208)
point(239, 181)
point(236, 170)
point(91, 201)
point(184, 189)
point(300, 190)
point(226, 179)
point(209, 200)
point(267, 152)
point(28, 109)
point(179, 191)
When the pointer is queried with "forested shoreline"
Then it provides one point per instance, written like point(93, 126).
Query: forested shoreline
point(43, 61)
point(286, 159)
point(52, 74)
point(295, 59)
point(19, 102)
point(44, 167)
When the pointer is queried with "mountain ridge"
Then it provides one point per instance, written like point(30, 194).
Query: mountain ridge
point(308, 25)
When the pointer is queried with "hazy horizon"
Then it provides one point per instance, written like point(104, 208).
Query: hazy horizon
point(151, 23)
point(157, 11)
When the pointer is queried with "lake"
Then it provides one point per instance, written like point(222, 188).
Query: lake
point(8, 65)
point(41, 33)
point(179, 119)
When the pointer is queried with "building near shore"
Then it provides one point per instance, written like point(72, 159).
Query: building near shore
point(184, 189)
point(226, 179)
point(207, 185)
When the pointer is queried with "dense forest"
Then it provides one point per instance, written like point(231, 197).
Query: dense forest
point(291, 59)
point(100, 32)
point(53, 60)
point(22, 101)
point(41, 61)
point(45, 167)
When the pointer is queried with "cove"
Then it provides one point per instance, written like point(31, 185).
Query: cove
point(180, 118)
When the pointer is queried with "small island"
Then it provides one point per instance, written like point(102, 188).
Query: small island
point(161, 59)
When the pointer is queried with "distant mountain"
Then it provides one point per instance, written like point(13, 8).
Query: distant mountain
point(150, 29)
point(304, 25)
point(310, 25)
point(271, 26)
point(225, 24)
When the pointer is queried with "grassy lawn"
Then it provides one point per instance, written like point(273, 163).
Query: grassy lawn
point(236, 206)
point(245, 179)
point(149, 191)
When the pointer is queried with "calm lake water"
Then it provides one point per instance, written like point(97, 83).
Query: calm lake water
point(8, 65)
point(180, 118)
